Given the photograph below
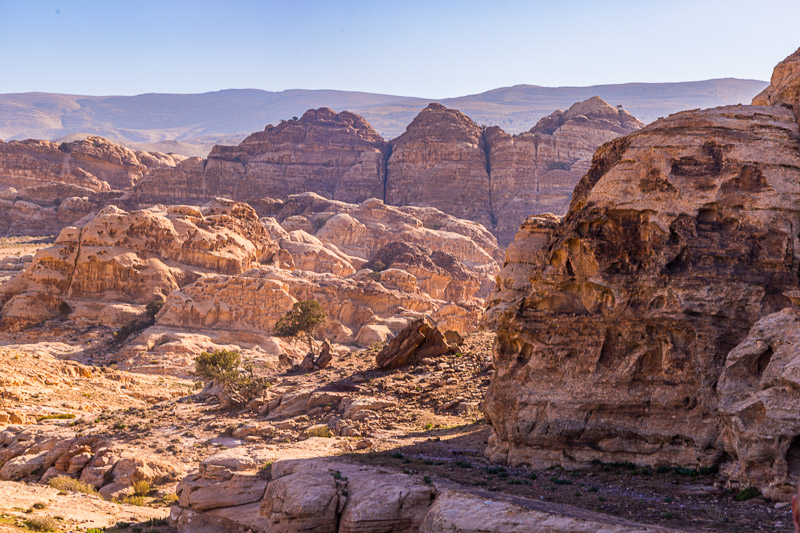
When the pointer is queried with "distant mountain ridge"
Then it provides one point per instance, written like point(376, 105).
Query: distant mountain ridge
point(192, 123)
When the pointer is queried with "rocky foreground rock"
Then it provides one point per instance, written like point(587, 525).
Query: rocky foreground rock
point(296, 495)
point(443, 160)
point(618, 326)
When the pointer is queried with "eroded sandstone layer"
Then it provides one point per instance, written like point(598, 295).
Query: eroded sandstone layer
point(614, 324)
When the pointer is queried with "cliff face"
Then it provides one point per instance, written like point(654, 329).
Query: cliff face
point(45, 186)
point(443, 160)
point(536, 171)
point(614, 324)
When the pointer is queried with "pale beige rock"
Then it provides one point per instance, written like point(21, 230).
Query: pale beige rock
point(456, 512)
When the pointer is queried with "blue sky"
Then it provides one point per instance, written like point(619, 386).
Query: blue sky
point(427, 48)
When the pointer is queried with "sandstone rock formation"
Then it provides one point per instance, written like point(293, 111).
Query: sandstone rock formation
point(443, 160)
point(535, 172)
point(339, 156)
point(327, 495)
point(614, 324)
point(111, 267)
point(46, 186)
point(343, 256)
point(226, 277)
point(759, 406)
point(419, 340)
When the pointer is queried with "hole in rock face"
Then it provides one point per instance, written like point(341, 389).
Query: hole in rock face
point(763, 360)
point(707, 216)
point(793, 458)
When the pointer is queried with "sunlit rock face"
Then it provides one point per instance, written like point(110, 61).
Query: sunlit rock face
point(614, 324)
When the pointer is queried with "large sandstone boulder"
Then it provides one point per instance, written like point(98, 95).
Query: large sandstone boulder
point(614, 323)
point(419, 340)
point(325, 495)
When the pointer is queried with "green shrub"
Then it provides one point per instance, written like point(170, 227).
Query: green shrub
point(748, 494)
point(69, 484)
point(133, 499)
point(237, 379)
point(153, 308)
point(56, 416)
point(64, 147)
point(141, 488)
point(301, 322)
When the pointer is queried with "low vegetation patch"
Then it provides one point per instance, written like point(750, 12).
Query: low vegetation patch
point(56, 416)
point(69, 484)
point(41, 523)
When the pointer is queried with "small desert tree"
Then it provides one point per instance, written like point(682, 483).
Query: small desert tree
point(301, 322)
point(226, 369)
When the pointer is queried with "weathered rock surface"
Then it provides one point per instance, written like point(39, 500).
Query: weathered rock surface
point(46, 186)
point(373, 268)
point(337, 155)
point(443, 160)
point(784, 87)
point(759, 403)
point(111, 267)
point(328, 495)
point(535, 172)
point(614, 324)
point(419, 340)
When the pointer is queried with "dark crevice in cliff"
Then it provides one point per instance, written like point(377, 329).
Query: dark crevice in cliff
point(387, 153)
point(485, 145)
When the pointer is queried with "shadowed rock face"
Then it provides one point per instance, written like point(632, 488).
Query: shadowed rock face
point(614, 324)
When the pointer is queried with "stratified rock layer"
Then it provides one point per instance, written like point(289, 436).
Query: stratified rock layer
point(441, 161)
point(337, 155)
point(614, 324)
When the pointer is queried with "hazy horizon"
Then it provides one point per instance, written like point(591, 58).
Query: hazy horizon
point(429, 50)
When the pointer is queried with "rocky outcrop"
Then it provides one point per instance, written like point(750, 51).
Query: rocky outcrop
point(759, 403)
point(440, 161)
point(373, 268)
point(46, 186)
point(41, 454)
point(784, 87)
point(443, 160)
point(419, 340)
point(337, 155)
point(328, 495)
point(535, 172)
point(111, 267)
point(614, 324)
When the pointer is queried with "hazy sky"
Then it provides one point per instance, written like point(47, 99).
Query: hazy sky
point(424, 48)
